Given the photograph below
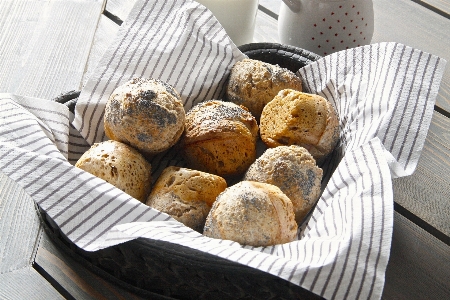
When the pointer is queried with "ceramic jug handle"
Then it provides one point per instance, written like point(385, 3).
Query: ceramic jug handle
point(293, 5)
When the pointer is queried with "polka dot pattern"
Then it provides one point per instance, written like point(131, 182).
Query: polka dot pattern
point(343, 28)
point(325, 27)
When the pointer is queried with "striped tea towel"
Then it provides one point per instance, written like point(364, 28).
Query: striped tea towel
point(384, 94)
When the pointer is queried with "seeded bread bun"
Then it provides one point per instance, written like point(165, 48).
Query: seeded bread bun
point(120, 165)
point(220, 138)
point(253, 83)
point(145, 113)
point(296, 118)
point(294, 171)
point(252, 213)
point(186, 195)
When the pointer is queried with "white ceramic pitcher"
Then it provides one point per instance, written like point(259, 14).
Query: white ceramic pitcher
point(326, 26)
point(238, 17)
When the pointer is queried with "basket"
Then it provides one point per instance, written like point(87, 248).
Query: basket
point(160, 270)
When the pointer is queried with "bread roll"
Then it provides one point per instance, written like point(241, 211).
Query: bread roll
point(120, 165)
point(252, 213)
point(220, 138)
point(186, 195)
point(253, 83)
point(296, 118)
point(294, 171)
point(145, 113)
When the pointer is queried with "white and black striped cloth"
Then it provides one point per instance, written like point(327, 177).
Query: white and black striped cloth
point(384, 95)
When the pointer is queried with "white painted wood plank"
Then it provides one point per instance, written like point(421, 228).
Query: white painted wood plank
point(442, 5)
point(411, 24)
point(272, 5)
point(419, 265)
point(265, 29)
point(44, 45)
point(26, 283)
point(19, 227)
point(426, 193)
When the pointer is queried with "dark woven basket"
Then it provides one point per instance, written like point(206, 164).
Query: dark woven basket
point(286, 56)
point(161, 270)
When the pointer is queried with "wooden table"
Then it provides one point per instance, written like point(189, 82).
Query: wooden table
point(50, 47)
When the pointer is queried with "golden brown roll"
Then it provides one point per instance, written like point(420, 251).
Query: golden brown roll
point(294, 171)
point(252, 213)
point(253, 83)
point(186, 195)
point(119, 164)
point(296, 118)
point(145, 113)
point(220, 138)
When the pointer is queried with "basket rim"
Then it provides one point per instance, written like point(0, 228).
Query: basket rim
point(269, 47)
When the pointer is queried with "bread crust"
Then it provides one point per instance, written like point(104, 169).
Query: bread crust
point(294, 171)
point(252, 213)
point(145, 113)
point(119, 164)
point(296, 118)
point(220, 138)
point(185, 194)
point(253, 84)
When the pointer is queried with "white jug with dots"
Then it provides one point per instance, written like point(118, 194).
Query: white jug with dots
point(238, 17)
point(326, 26)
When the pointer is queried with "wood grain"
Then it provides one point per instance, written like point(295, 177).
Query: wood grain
point(265, 29)
point(413, 25)
point(47, 44)
point(272, 5)
point(442, 5)
point(26, 283)
point(427, 191)
point(419, 265)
